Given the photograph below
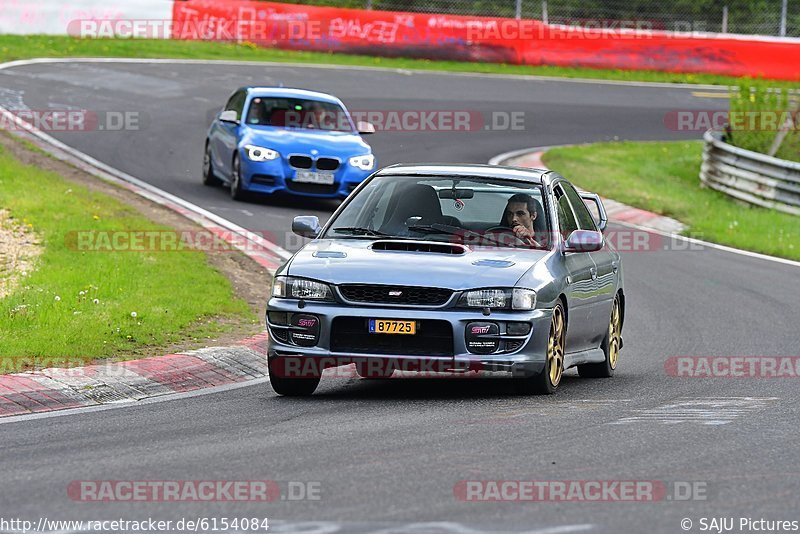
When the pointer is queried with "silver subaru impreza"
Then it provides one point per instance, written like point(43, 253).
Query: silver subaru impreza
point(451, 269)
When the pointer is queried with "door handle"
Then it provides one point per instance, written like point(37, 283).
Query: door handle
point(615, 266)
point(593, 270)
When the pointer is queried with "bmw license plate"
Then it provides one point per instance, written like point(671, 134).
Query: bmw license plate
point(314, 177)
point(392, 326)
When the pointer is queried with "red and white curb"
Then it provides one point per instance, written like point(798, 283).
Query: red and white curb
point(130, 381)
point(617, 211)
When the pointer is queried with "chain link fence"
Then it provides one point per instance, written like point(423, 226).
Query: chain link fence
point(755, 17)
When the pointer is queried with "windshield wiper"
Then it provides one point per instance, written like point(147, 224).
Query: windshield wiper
point(357, 230)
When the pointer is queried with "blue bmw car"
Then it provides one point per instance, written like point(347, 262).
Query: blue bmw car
point(274, 139)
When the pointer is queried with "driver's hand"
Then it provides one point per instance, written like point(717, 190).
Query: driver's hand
point(526, 235)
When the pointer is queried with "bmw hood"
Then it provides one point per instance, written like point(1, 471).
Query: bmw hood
point(287, 141)
point(363, 261)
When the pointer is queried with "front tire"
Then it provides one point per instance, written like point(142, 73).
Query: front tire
point(290, 386)
point(209, 178)
point(546, 382)
point(237, 191)
point(612, 343)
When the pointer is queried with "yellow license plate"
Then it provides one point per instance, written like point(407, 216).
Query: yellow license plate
point(391, 326)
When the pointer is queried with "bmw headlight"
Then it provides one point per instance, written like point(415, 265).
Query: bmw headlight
point(365, 162)
point(500, 298)
point(300, 288)
point(257, 153)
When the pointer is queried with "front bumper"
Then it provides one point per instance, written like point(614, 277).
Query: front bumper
point(278, 176)
point(525, 360)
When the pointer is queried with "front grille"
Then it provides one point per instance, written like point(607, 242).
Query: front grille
point(327, 164)
point(380, 294)
point(316, 189)
point(262, 179)
point(300, 162)
point(351, 334)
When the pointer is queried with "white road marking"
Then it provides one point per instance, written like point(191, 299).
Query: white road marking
point(706, 411)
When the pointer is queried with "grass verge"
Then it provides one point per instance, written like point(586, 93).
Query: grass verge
point(22, 47)
point(76, 306)
point(663, 177)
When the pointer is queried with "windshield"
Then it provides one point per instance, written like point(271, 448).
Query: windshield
point(298, 113)
point(468, 210)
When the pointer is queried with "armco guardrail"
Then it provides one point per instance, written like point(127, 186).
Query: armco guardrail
point(746, 175)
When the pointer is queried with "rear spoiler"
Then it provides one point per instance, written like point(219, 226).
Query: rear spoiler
point(602, 218)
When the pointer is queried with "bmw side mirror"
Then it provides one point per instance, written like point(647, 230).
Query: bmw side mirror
point(306, 226)
point(229, 116)
point(365, 127)
point(584, 241)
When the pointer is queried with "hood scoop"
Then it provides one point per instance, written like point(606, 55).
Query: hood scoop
point(419, 246)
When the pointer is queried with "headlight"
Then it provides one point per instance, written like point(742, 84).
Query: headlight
point(257, 153)
point(300, 288)
point(504, 298)
point(365, 162)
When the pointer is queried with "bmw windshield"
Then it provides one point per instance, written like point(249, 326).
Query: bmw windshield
point(298, 113)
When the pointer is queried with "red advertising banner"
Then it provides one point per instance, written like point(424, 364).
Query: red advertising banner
point(485, 39)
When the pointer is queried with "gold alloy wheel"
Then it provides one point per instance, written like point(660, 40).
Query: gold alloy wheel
point(555, 347)
point(614, 334)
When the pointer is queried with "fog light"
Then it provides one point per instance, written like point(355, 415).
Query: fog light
point(518, 329)
point(278, 318)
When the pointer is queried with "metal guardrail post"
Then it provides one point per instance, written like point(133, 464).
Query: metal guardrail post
point(784, 8)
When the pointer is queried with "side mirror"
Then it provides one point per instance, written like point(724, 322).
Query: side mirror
point(229, 115)
point(306, 226)
point(584, 241)
point(365, 127)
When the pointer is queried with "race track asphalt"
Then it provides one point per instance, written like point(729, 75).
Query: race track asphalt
point(387, 454)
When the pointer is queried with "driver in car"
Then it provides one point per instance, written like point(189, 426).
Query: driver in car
point(520, 213)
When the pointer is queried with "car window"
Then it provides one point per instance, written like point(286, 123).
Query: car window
point(585, 219)
point(440, 208)
point(298, 113)
point(566, 219)
point(236, 103)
